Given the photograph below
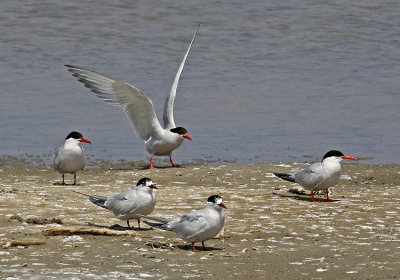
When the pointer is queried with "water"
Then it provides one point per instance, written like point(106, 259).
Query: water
point(266, 81)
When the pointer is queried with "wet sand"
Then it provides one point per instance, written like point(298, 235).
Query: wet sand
point(270, 232)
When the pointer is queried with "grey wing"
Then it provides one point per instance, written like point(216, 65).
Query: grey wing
point(137, 105)
point(95, 199)
point(162, 222)
point(310, 176)
point(157, 219)
point(57, 161)
point(168, 116)
point(122, 203)
point(189, 224)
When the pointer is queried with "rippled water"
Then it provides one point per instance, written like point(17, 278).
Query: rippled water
point(265, 81)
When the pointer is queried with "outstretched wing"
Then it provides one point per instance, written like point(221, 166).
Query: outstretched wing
point(136, 104)
point(168, 116)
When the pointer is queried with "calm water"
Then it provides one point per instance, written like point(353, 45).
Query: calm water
point(265, 81)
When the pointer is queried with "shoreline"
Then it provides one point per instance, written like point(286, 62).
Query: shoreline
point(46, 160)
point(92, 161)
point(269, 231)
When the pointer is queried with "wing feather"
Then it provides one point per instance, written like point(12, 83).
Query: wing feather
point(135, 103)
point(168, 116)
point(57, 159)
point(310, 177)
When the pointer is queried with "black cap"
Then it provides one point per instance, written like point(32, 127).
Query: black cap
point(333, 153)
point(75, 135)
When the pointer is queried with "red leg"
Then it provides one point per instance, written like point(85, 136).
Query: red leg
point(327, 197)
point(170, 160)
point(74, 179)
point(151, 162)
point(127, 222)
point(313, 199)
point(63, 183)
point(193, 248)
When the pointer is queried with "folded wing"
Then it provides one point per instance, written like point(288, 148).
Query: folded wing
point(124, 203)
point(310, 176)
point(191, 224)
point(57, 159)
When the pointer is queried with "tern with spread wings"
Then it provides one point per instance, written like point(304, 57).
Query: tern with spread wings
point(159, 141)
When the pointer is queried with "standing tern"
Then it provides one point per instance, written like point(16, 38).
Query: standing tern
point(70, 157)
point(130, 204)
point(320, 175)
point(159, 141)
point(197, 226)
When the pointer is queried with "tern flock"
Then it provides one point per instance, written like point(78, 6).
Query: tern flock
point(196, 226)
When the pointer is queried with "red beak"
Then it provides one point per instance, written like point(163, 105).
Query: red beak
point(153, 187)
point(187, 137)
point(348, 157)
point(85, 140)
point(222, 205)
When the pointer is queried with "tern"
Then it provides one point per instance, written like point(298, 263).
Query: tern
point(159, 141)
point(320, 175)
point(131, 203)
point(197, 226)
point(70, 157)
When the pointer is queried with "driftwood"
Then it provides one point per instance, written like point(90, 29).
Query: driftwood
point(24, 243)
point(84, 230)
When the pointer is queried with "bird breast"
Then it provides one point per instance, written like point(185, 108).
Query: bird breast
point(163, 146)
point(72, 159)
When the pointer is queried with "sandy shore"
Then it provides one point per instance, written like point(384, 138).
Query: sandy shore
point(271, 233)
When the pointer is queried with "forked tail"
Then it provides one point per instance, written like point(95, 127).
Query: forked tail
point(285, 176)
point(96, 199)
point(162, 222)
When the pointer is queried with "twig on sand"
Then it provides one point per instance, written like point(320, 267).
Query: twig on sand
point(83, 230)
point(17, 243)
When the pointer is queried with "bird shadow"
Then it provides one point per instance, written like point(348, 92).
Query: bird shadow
point(308, 199)
point(61, 184)
point(200, 248)
point(145, 167)
point(118, 227)
point(160, 167)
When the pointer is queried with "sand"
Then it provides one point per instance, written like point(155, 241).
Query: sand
point(270, 232)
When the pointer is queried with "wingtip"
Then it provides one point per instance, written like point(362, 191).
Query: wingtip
point(198, 26)
point(70, 67)
point(284, 176)
point(75, 191)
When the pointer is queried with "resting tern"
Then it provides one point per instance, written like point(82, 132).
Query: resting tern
point(320, 175)
point(197, 226)
point(159, 141)
point(70, 157)
point(131, 203)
